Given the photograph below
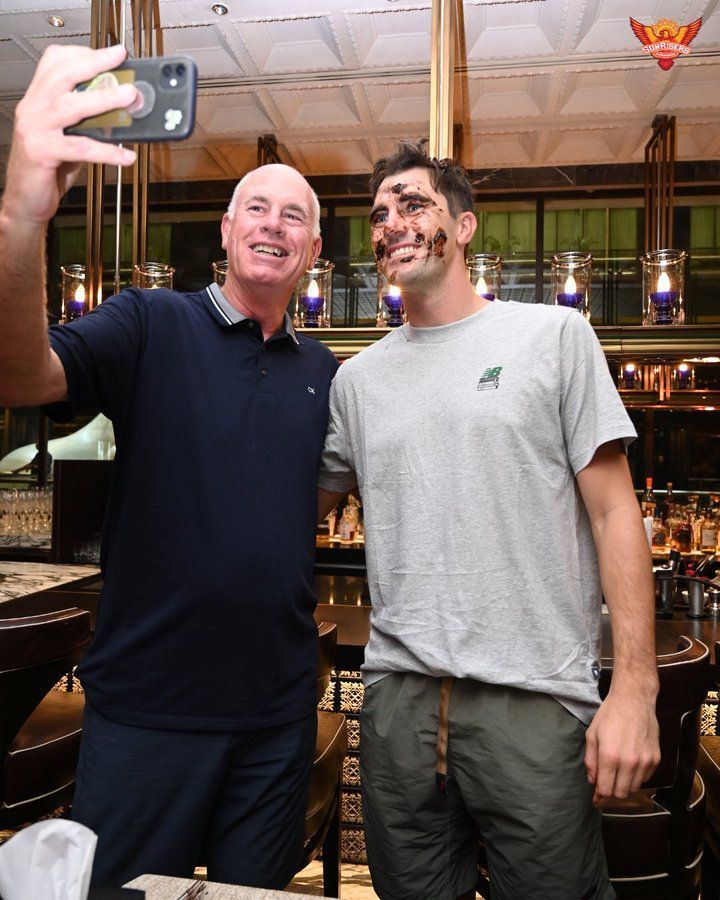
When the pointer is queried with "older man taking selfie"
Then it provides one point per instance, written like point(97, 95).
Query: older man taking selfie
point(200, 682)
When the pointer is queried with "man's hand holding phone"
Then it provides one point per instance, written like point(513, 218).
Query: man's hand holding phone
point(44, 161)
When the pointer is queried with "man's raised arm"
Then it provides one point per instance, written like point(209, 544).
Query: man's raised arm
point(43, 164)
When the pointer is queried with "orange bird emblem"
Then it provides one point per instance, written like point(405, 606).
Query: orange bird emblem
point(666, 40)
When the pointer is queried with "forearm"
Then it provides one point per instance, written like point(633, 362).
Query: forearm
point(24, 346)
point(627, 583)
point(327, 501)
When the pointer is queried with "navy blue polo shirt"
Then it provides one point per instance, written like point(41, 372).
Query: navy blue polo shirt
point(206, 616)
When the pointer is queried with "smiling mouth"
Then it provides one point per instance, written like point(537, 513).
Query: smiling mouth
point(402, 254)
point(267, 250)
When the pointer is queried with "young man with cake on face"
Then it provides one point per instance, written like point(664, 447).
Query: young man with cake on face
point(494, 518)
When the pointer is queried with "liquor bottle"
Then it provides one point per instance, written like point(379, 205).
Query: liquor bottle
point(346, 528)
point(648, 503)
point(666, 507)
point(659, 533)
point(681, 530)
point(709, 532)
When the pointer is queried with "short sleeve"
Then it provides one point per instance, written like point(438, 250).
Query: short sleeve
point(591, 410)
point(337, 468)
point(100, 354)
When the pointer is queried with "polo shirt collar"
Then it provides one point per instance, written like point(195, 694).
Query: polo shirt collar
point(227, 315)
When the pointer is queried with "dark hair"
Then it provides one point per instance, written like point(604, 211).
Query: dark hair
point(447, 177)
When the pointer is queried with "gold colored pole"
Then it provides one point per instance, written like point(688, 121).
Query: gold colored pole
point(95, 179)
point(142, 18)
point(442, 77)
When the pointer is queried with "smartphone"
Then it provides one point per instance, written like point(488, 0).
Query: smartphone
point(164, 110)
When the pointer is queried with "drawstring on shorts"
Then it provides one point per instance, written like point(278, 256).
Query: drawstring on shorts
point(443, 734)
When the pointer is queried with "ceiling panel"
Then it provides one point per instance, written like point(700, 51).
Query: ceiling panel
point(238, 158)
point(487, 149)
point(693, 88)
point(512, 96)
point(321, 107)
point(390, 37)
point(328, 157)
point(399, 102)
point(186, 164)
point(206, 46)
point(297, 44)
point(235, 113)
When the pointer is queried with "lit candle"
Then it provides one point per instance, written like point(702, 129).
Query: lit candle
point(481, 289)
point(393, 301)
point(571, 296)
point(629, 375)
point(662, 300)
point(312, 303)
point(684, 376)
point(75, 306)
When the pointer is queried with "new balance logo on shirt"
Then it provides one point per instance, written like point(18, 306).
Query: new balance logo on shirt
point(490, 379)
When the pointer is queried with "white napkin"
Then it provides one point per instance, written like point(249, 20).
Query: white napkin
point(51, 860)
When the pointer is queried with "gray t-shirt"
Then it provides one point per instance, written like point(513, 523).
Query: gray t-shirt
point(464, 440)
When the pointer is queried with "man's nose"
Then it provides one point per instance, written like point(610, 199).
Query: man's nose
point(274, 221)
point(394, 221)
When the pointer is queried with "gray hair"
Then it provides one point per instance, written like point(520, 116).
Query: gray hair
point(314, 202)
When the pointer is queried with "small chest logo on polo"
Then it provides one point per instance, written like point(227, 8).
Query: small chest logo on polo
point(311, 390)
point(490, 379)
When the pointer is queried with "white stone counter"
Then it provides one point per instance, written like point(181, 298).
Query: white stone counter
point(20, 578)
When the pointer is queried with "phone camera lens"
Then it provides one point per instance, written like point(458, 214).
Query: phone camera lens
point(180, 70)
point(167, 71)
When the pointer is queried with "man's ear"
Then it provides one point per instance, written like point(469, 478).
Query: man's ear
point(467, 226)
point(315, 249)
point(224, 228)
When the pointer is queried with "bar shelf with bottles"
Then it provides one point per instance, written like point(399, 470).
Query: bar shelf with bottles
point(685, 522)
point(340, 542)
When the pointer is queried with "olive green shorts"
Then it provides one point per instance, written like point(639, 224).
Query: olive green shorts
point(516, 780)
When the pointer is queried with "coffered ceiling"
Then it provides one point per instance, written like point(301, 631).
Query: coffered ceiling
point(541, 82)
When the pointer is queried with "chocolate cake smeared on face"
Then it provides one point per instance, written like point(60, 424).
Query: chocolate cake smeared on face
point(437, 243)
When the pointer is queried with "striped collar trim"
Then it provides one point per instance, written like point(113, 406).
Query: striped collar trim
point(228, 315)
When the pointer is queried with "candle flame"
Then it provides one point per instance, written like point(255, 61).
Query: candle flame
point(313, 289)
point(80, 294)
point(630, 367)
point(394, 291)
point(570, 286)
point(663, 283)
point(481, 287)
point(683, 367)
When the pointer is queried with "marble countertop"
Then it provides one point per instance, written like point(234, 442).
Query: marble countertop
point(161, 887)
point(17, 579)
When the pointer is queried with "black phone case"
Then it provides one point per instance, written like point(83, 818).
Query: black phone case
point(169, 103)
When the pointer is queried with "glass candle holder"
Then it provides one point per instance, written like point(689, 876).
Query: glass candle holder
point(629, 376)
point(485, 271)
point(683, 377)
point(313, 297)
point(153, 275)
point(74, 304)
point(390, 309)
point(571, 274)
point(663, 282)
point(220, 270)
